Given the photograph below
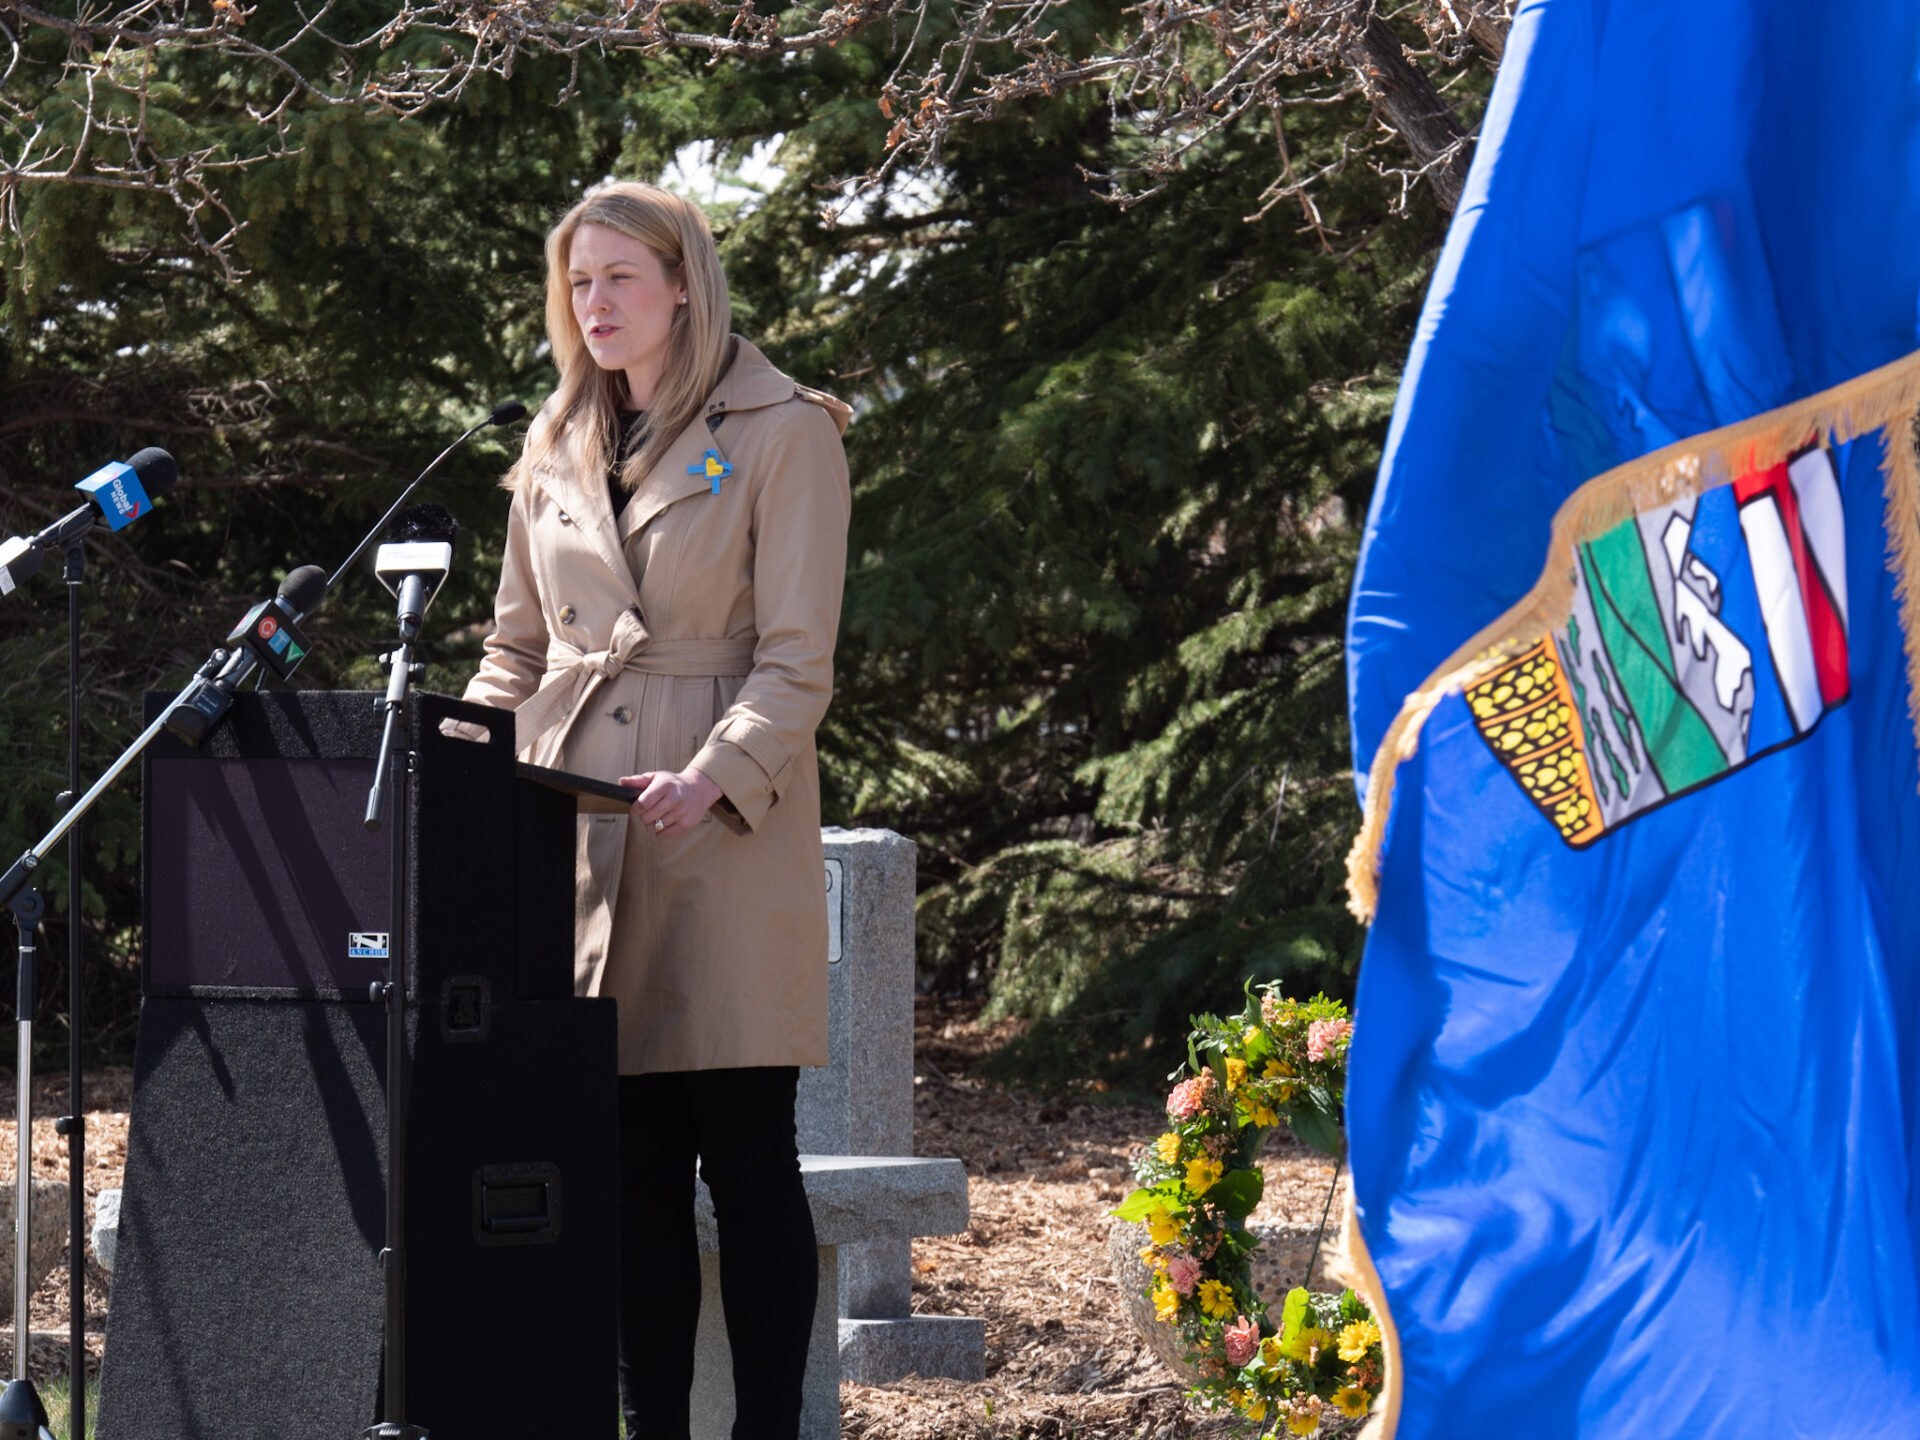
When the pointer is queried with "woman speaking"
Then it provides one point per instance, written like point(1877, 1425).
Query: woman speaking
point(667, 609)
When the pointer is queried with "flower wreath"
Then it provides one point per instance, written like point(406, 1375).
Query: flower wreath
point(1281, 1060)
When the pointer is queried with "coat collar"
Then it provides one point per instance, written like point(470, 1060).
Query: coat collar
point(750, 382)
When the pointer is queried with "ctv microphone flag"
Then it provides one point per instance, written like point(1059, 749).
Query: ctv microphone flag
point(206, 700)
point(1632, 659)
point(271, 630)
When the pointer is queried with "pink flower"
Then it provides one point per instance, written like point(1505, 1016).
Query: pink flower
point(1183, 1273)
point(1189, 1097)
point(1242, 1340)
point(1324, 1035)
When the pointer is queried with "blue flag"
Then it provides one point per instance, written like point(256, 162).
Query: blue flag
point(1634, 1106)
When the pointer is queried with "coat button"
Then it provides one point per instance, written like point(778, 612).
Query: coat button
point(567, 613)
point(622, 714)
point(565, 518)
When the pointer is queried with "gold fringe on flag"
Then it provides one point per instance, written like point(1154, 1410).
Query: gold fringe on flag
point(1886, 399)
point(1350, 1265)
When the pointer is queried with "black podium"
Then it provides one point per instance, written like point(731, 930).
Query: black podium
point(247, 1291)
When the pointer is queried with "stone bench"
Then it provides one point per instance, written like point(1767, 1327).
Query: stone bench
point(861, 1103)
point(855, 1199)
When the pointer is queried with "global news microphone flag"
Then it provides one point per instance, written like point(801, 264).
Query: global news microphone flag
point(1634, 1103)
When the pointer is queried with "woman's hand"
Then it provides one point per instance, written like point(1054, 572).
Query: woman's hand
point(670, 803)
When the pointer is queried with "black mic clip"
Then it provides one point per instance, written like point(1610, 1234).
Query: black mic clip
point(416, 669)
point(206, 700)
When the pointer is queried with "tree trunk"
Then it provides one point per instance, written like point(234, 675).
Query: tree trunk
point(1409, 103)
point(1489, 32)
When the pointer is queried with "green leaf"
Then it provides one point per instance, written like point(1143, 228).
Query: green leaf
point(1166, 1195)
point(1293, 1318)
point(1317, 1131)
point(1237, 1192)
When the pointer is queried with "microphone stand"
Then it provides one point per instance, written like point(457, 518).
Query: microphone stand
point(21, 1410)
point(16, 878)
point(22, 1416)
point(73, 1125)
point(402, 671)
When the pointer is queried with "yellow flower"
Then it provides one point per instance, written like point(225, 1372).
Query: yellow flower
point(1263, 1115)
point(1215, 1299)
point(1201, 1173)
point(1358, 1338)
point(1276, 1069)
point(1154, 1258)
point(1352, 1401)
point(1168, 1147)
point(1306, 1344)
point(1270, 1351)
point(1162, 1228)
point(1254, 1406)
point(1303, 1413)
point(1236, 1074)
point(1253, 1034)
point(1166, 1302)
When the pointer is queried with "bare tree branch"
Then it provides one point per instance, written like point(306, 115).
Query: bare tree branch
point(1175, 73)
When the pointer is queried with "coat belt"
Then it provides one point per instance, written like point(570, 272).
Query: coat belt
point(574, 674)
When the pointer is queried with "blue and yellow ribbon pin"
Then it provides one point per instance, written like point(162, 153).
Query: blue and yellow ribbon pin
point(714, 468)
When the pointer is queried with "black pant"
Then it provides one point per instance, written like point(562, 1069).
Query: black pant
point(740, 1125)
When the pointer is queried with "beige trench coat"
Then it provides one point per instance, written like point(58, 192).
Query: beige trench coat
point(698, 628)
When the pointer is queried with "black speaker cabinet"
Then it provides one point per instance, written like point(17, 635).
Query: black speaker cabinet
point(261, 879)
point(247, 1294)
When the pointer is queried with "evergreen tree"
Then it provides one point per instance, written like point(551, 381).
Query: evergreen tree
point(1107, 468)
point(1107, 464)
point(392, 293)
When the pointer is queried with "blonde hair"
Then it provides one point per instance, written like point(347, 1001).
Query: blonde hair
point(582, 415)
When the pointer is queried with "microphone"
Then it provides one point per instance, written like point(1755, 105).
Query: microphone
point(205, 701)
point(272, 629)
point(118, 493)
point(414, 561)
point(505, 413)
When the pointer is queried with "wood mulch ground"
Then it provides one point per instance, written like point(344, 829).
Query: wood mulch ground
point(107, 1095)
point(1063, 1359)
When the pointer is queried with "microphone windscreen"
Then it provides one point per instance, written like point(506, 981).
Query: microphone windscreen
point(156, 470)
point(506, 412)
point(303, 589)
point(422, 522)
